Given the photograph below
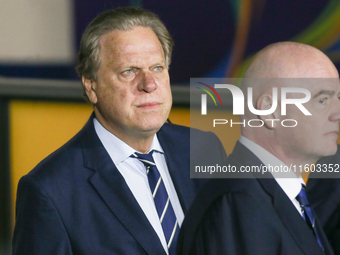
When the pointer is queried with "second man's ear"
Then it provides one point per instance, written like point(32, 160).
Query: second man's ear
point(265, 102)
point(90, 89)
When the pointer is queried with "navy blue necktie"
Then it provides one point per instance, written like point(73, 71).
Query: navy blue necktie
point(307, 212)
point(162, 201)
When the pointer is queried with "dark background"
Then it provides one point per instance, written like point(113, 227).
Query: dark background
point(213, 38)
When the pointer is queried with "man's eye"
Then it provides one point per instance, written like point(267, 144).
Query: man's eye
point(158, 68)
point(323, 100)
point(127, 71)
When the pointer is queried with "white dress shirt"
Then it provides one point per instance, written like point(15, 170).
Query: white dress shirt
point(290, 185)
point(135, 176)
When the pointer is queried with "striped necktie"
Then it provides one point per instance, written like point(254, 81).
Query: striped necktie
point(162, 201)
point(307, 212)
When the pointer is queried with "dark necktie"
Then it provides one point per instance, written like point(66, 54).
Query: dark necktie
point(307, 212)
point(162, 201)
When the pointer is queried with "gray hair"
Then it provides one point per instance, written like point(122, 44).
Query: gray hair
point(122, 18)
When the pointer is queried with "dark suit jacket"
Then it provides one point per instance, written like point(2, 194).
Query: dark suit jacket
point(324, 195)
point(246, 216)
point(76, 201)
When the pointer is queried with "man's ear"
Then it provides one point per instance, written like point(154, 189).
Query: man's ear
point(90, 89)
point(265, 102)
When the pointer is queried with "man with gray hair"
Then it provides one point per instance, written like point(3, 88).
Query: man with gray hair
point(122, 184)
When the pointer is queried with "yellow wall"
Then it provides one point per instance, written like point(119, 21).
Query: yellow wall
point(39, 128)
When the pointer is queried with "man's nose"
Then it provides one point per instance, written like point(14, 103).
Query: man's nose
point(335, 115)
point(147, 83)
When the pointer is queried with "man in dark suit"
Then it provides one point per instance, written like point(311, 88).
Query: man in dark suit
point(122, 184)
point(323, 188)
point(261, 212)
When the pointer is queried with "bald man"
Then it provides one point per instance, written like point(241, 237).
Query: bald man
point(265, 213)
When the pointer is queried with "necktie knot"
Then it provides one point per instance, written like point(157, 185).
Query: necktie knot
point(146, 159)
point(302, 197)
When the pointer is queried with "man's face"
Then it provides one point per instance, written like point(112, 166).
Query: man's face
point(314, 136)
point(132, 96)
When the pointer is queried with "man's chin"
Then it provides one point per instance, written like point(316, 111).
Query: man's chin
point(151, 129)
point(330, 151)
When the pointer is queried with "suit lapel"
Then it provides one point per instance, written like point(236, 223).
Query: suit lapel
point(290, 217)
point(114, 191)
point(284, 208)
point(112, 188)
point(323, 237)
point(177, 159)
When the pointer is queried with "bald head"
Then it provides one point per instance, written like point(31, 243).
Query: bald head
point(291, 60)
point(285, 60)
point(310, 139)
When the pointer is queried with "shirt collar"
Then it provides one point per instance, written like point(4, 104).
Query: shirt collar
point(291, 184)
point(117, 149)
